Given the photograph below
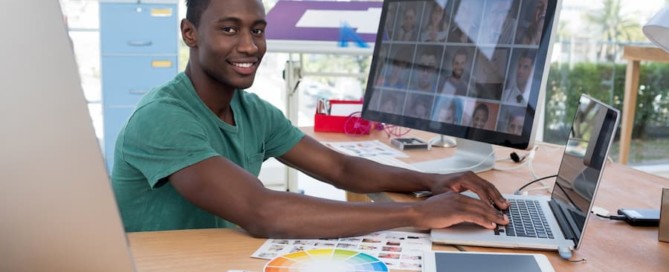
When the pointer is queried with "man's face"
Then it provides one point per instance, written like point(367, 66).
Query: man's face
point(409, 19)
point(427, 72)
point(540, 12)
point(480, 118)
point(515, 125)
point(231, 41)
point(459, 63)
point(523, 73)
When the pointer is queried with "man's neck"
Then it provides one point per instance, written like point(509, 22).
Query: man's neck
point(215, 96)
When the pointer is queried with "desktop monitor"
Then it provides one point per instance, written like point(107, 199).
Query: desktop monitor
point(472, 69)
point(57, 207)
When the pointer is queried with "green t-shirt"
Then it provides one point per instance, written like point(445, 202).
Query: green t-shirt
point(172, 129)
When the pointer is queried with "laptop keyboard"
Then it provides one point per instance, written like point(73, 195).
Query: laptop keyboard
point(526, 219)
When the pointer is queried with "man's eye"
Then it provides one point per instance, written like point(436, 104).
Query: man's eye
point(229, 29)
point(258, 31)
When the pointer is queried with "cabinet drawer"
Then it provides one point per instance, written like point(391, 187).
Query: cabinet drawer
point(138, 28)
point(126, 79)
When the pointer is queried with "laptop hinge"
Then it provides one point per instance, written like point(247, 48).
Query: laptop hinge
point(567, 226)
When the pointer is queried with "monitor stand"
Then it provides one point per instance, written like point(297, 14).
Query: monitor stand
point(469, 156)
point(443, 141)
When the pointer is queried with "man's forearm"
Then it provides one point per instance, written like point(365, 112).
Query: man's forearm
point(288, 215)
point(364, 176)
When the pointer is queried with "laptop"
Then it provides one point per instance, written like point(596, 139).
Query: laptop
point(57, 207)
point(560, 220)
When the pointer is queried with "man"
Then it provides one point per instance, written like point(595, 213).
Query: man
point(407, 31)
point(456, 83)
point(425, 75)
point(395, 72)
point(190, 154)
point(518, 92)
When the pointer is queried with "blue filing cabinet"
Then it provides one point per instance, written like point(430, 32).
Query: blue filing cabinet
point(138, 47)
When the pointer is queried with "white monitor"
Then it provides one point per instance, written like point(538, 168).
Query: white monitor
point(57, 209)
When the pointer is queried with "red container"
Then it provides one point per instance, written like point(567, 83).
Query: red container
point(352, 124)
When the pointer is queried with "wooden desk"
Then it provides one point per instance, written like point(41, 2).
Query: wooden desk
point(607, 246)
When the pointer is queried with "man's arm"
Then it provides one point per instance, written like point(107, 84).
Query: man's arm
point(360, 175)
point(222, 188)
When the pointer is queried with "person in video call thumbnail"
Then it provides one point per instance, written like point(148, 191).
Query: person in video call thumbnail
point(466, 22)
point(426, 70)
point(480, 116)
point(531, 34)
point(395, 71)
point(407, 30)
point(515, 121)
point(518, 90)
point(456, 82)
point(448, 110)
point(419, 106)
point(434, 27)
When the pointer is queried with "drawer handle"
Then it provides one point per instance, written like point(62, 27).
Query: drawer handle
point(137, 92)
point(140, 43)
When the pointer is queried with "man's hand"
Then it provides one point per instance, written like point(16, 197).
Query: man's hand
point(460, 182)
point(447, 209)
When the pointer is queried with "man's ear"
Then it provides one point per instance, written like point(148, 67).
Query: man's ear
point(188, 33)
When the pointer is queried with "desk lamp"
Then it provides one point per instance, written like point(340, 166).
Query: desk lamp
point(657, 29)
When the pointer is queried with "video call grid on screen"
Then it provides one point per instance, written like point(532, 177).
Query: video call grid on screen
point(460, 63)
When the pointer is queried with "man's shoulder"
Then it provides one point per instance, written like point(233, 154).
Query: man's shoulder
point(172, 92)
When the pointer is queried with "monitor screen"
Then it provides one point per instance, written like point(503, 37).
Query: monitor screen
point(471, 69)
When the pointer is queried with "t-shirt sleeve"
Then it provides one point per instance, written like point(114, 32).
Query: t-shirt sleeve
point(282, 135)
point(161, 139)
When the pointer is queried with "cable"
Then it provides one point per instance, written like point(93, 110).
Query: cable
point(524, 160)
point(611, 217)
point(518, 192)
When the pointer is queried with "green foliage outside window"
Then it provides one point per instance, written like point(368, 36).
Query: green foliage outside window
point(606, 82)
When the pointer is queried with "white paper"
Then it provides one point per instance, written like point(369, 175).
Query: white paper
point(366, 149)
point(344, 109)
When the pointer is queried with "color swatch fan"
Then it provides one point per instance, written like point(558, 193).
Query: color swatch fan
point(325, 260)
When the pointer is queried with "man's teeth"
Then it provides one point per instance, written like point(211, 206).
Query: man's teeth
point(243, 65)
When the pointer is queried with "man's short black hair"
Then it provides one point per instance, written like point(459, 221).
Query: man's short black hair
point(194, 10)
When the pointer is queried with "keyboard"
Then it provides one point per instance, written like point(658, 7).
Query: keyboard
point(526, 219)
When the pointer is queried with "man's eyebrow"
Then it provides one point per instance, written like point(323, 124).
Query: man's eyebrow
point(237, 20)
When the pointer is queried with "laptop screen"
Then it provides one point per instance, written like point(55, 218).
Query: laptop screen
point(583, 161)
